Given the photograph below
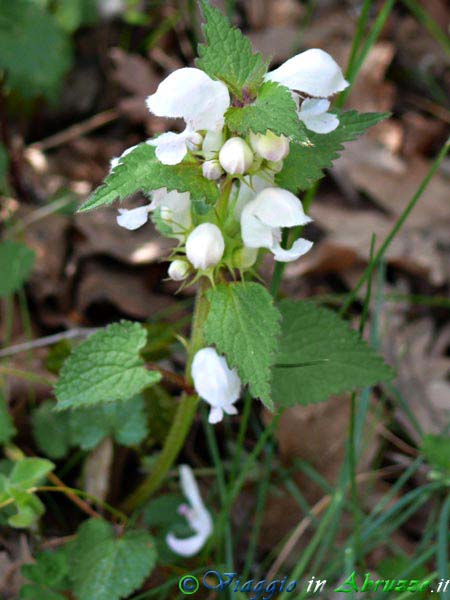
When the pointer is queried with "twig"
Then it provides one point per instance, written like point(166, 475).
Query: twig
point(84, 506)
point(77, 130)
point(177, 380)
point(47, 341)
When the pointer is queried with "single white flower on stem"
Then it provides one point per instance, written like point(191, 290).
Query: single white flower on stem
point(313, 113)
point(313, 72)
point(205, 246)
point(263, 218)
point(236, 156)
point(192, 95)
point(215, 383)
point(196, 515)
point(270, 146)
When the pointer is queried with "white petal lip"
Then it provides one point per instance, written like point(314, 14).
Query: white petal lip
point(190, 94)
point(314, 72)
point(313, 113)
point(171, 147)
point(215, 383)
point(196, 514)
point(134, 218)
point(299, 248)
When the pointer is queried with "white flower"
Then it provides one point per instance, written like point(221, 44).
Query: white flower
point(196, 515)
point(236, 156)
point(205, 246)
point(211, 169)
point(216, 383)
point(270, 146)
point(190, 94)
point(248, 188)
point(175, 212)
point(178, 270)
point(313, 113)
point(313, 72)
point(263, 218)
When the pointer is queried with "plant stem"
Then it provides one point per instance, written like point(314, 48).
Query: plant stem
point(183, 417)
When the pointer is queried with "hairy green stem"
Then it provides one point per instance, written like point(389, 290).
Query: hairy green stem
point(183, 417)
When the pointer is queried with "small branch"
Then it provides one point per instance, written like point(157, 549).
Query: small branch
point(47, 341)
point(177, 380)
point(76, 131)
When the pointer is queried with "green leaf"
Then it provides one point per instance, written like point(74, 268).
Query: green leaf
point(7, 429)
point(103, 567)
point(436, 449)
point(16, 262)
point(28, 472)
point(34, 50)
point(28, 506)
point(304, 165)
point(141, 171)
point(126, 420)
point(244, 325)
point(36, 591)
point(49, 575)
point(321, 356)
point(228, 55)
point(274, 109)
point(105, 367)
point(56, 431)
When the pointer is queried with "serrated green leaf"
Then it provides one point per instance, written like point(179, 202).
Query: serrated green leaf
point(141, 171)
point(35, 52)
point(56, 431)
point(49, 569)
point(228, 54)
point(332, 357)
point(7, 429)
point(51, 430)
point(36, 591)
point(304, 165)
point(28, 506)
point(28, 472)
point(103, 567)
point(126, 420)
point(436, 449)
point(105, 367)
point(16, 262)
point(243, 324)
point(274, 109)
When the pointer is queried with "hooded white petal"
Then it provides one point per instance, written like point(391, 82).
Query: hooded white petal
point(313, 113)
point(196, 514)
point(134, 218)
point(249, 186)
point(276, 207)
point(313, 72)
point(192, 95)
point(299, 247)
point(215, 382)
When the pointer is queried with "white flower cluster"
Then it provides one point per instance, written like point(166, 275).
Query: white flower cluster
point(252, 210)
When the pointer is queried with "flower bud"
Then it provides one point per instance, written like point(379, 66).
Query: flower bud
point(270, 146)
point(211, 169)
point(205, 246)
point(194, 141)
point(274, 166)
point(178, 270)
point(244, 258)
point(212, 143)
point(236, 156)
